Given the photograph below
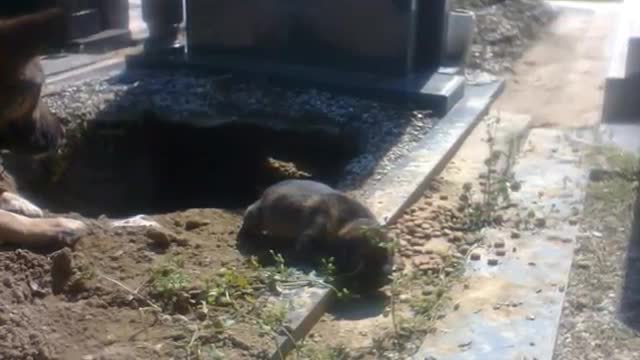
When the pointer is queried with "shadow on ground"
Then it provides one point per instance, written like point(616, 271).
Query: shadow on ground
point(132, 159)
point(630, 300)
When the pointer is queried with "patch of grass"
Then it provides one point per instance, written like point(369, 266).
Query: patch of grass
point(168, 282)
point(272, 317)
point(228, 286)
point(318, 352)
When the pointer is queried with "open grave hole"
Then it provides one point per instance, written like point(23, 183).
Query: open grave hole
point(146, 165)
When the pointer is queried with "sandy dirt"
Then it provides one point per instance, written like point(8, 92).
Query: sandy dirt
point(74, 305)
point(560, 80)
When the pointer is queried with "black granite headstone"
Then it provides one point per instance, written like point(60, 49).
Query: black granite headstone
point(385, 49)
point(394, 37)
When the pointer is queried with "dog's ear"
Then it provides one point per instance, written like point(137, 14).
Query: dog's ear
point(24, 37)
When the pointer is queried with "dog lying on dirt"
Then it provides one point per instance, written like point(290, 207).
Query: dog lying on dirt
point(27, 126)
point(313, 218)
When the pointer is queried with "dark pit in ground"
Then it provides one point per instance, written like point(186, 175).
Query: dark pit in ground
point(149, 165)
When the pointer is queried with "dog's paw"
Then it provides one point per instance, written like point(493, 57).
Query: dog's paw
point(14, 203)
point(68, 231)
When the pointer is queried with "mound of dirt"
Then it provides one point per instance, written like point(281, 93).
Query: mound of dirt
point(504, 29)
point(91, 303)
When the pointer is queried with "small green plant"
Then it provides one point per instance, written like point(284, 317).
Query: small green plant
point(495, 187)
point(227, 287)
point(329, 272)
point(317, 352)
point(168, 281)
point(272, 317)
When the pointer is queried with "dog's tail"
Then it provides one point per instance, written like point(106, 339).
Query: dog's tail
point(23, 37)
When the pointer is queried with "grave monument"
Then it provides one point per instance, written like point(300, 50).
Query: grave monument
point(389, 49)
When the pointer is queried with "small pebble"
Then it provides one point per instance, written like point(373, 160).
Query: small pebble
point(475, 256)
point(444, 197)
point(540, 222)
point(492, 262)
point(501, 252)
point(515, 234)
point(464, 249)
point(160, 237)
point(582, 264)
point(499, 244)
point(573, 222)
point(531, 317)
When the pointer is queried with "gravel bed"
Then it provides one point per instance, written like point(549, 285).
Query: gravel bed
point(387, 132)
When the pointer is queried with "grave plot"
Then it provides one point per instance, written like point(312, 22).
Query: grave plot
point(189, 152)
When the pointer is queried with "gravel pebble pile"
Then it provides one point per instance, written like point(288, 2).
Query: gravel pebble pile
point(504, 29)
point(387, 132)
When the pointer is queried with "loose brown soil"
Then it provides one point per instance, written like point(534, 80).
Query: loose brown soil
point(74, 312)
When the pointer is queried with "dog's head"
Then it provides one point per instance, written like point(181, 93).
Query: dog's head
point(365, 255)
point(26, 125)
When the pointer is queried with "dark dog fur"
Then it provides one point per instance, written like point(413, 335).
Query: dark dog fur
point(314, 219)
point(26, 124)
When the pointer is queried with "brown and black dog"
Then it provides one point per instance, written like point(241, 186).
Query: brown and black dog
point(314, 219)
point(27, 126)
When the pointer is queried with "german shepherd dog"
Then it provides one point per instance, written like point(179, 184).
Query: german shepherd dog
point(27, 126)
point(313, 218)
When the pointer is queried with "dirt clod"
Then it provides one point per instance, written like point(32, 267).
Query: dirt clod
point(193, 224)
point(160, 238)
point(61, 269)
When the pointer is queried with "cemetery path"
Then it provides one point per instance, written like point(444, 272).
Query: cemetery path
point(559, 81)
